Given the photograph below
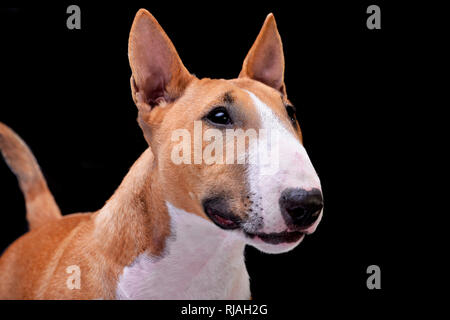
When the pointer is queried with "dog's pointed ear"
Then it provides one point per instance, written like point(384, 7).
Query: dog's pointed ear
point(158, 75)
point(265, 60)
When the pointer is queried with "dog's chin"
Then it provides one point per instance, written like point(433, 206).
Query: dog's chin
point(275, 242)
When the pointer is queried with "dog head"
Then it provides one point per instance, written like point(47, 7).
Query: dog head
point(229, 151)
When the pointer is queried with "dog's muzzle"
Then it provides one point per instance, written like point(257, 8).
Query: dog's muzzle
point(300, 210)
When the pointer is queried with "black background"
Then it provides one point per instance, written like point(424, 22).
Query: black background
point(66, 93)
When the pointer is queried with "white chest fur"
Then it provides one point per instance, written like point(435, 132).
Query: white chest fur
point(200, 261)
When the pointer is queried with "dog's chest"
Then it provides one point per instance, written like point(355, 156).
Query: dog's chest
point(200, 262)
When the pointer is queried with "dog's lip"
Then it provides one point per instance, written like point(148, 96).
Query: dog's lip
point(224, 222)
point(218, 211)
point(221, 220)
point(277, 237)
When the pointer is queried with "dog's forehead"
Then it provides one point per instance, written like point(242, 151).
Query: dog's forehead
point(271, 98)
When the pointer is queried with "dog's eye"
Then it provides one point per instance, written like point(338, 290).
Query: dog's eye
point(291, 113)
point(219, 116)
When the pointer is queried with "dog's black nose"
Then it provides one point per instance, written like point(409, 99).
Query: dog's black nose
point(301, 208)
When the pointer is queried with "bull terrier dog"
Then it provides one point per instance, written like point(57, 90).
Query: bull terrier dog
point(176, 227)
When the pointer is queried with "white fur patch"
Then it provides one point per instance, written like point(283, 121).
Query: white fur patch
point(201, 261)
point(293, 170)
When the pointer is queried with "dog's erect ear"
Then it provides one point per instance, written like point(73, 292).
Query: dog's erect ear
point(265, 60)
point(158, 75)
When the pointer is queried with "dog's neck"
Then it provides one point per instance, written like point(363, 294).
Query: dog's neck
point(134, 219)
point(200, 261)
point(143, 237)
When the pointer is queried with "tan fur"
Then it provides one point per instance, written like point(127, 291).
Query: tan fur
point(135, 219)
point(40, 204)
point(100, 243)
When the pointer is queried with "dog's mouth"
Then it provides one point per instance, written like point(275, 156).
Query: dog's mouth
point(278, 237)
point(225, 223)
point(217, 210)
